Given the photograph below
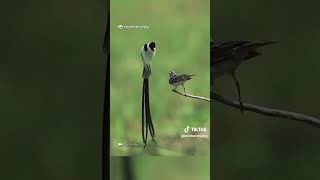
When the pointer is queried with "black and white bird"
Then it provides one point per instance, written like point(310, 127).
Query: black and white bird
point(147, 53)
point(228, 56)
point(179, 79)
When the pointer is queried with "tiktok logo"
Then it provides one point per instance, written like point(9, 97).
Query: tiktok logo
point(195, 129)
point(186, 129)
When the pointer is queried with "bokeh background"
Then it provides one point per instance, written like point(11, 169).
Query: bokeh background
point(52, 84)
point(52, 78)
point(159, 168)
point(286, 76)
point(181, 30)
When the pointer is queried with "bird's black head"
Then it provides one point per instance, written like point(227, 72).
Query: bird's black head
point(172, 73)
point(152, 45)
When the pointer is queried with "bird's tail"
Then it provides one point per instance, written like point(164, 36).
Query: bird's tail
point(189, 76)
point(264, 43)
point(147, 124)
point(146, 71)
point(253, 45)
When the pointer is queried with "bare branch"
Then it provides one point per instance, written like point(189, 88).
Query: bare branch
point(268, 111)
point(191, 96)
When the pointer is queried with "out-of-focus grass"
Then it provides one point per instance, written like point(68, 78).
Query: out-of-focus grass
point(181, 31)
point(145, 168)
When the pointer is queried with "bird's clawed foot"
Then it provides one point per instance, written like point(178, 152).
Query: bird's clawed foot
point(184, 90)
point(174, 90)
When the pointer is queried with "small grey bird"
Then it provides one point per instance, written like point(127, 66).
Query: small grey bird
point(228, 56)
point(147, 52)
point(179, 80)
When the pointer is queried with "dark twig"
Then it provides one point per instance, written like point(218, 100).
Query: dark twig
point(191, 96)
point(268, 111)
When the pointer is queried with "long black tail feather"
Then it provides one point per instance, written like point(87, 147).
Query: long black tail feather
point(147, 124)
point(144, 133)
point(148, 111)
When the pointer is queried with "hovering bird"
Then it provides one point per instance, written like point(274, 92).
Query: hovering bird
point(147, 52)
point(179, 80)
point(228, 56)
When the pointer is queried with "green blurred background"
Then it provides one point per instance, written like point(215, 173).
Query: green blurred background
point(181, 30)
point(286, 76)
point(52, 75)
point(160, 167)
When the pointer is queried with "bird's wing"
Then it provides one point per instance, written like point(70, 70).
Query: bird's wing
point(252, 54)
point(175, 79)
point(187, 76)
point(250, 46)
point(141, 56)
point(236, 49)
point(180, 78)
point(224, 51)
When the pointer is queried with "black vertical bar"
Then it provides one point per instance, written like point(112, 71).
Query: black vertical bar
point(106, 110)
point(212, 118)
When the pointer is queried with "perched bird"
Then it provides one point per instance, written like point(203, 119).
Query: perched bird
point(179, 80)
point(147, 52)
point(228, 56)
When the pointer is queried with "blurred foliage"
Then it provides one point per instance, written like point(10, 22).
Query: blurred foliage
point(52, 75)
point(253, 146)
point(181, 31)
point(161, 167)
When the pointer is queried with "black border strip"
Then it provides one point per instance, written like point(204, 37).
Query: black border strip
point(106, 109)
point(212, 119)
